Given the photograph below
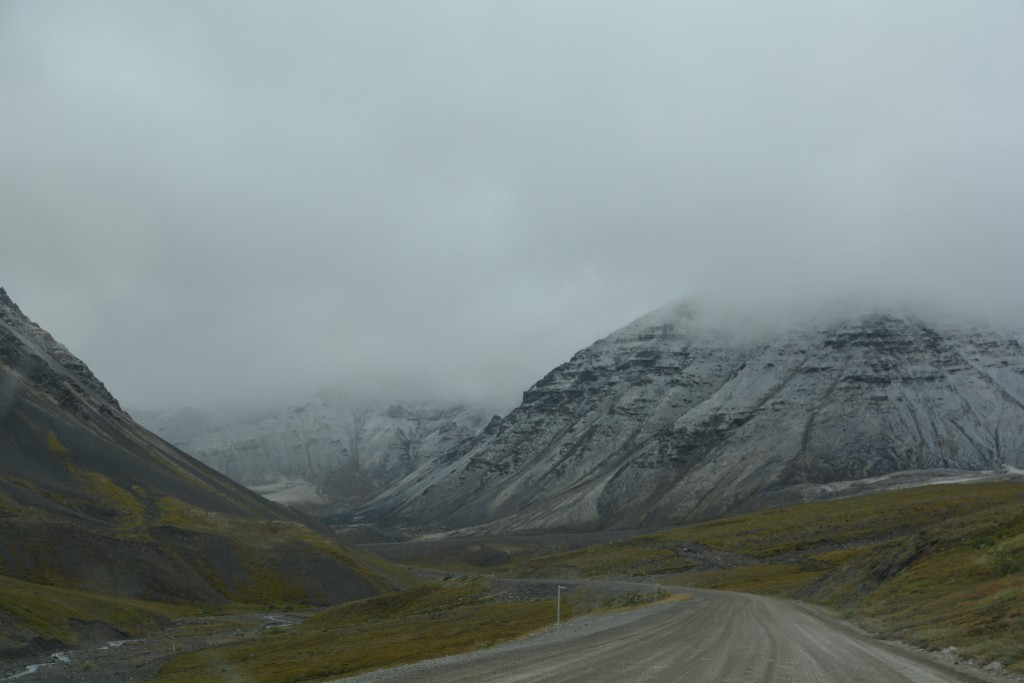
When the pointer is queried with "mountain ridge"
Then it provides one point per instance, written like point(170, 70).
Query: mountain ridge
point(332, 448)
point(28, 345)
point(685, 415)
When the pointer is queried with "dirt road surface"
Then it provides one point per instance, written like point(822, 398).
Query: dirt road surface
point(717, 637)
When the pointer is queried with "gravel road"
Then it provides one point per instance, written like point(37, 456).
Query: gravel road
point(717, 637)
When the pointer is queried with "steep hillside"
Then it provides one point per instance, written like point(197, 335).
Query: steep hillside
point(90, 501)
point(685, 415)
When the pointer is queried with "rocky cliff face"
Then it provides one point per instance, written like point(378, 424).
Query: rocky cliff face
point(363, 447)
point(683, 415)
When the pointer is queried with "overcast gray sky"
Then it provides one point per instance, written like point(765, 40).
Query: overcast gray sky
point(213, 200)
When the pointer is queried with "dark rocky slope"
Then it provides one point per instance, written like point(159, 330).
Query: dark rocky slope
point(91, 501)
point(683, 415)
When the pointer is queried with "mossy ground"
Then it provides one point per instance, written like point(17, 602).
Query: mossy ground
point(53, 613)
point(431, 620)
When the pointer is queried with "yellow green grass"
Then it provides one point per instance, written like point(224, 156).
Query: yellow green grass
point(419, 623)
point(253, 539)
point(53, 613)
point(430, 620)
point(936, 565)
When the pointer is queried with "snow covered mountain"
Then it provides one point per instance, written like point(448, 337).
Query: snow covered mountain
point(342, 448)
point(183, 425)
point(685, 414)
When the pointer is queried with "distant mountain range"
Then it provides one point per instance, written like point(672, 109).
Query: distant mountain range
point(687, 413)
point(91, 501)
point(332, 448)
point(692, 413)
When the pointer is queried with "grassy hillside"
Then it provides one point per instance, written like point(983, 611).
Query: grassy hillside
point(937, 566)
point(431, 620)
point(40, 615)
point(112, 511)
point(94, 506)
point(419, 623)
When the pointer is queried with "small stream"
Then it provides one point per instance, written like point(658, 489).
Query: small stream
point(56, 658)
point(99, 658)
point(65, 657)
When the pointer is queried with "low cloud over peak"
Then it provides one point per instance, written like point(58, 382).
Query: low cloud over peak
point(208, 201)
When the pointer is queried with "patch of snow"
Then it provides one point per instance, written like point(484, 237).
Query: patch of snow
point(289, 491)
point(57, 657)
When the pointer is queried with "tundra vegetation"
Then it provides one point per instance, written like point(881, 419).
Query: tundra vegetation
point(935, 566)
point(435, 619)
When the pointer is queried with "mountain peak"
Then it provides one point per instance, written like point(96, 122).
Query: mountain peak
point(691, 412)
point(30, 351)
point(6, 304)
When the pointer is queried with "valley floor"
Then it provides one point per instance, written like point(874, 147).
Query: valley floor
point(940, 567)
point(718, 637)
point(709, 636)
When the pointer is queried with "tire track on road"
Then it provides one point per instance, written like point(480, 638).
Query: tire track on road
point(718, 637)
